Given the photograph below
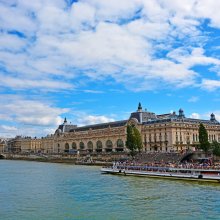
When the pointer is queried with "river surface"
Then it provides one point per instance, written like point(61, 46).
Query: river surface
point(34, 190)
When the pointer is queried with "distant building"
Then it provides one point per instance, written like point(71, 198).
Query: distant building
point(21, 144)
point(3, 145)
point(165, 133)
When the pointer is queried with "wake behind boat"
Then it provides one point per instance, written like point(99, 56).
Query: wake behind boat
point(210, 175)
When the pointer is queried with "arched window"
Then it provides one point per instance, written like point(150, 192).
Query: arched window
point(67, 147)
point(99, 146)
point(109, 146)
point(120, 145)
point(74, 146)
point(90, 146)
point(81, 146)
point(58, 148)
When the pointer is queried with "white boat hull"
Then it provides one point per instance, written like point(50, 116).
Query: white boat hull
point(167, 175)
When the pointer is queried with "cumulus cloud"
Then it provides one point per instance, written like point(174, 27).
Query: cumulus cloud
point(28, 116)
point(217, 115)
point(8, 128)
point(92, 91)
point(47, 85)
point(210, 85)
point(195, 115)
point(53, 45)
point(85, 119)
point(100, 39)
point(193, 99)
point(21, 116)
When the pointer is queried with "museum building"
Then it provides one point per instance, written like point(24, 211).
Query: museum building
point(160, 133)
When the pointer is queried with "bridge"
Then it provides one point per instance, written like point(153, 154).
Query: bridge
point(2, 156)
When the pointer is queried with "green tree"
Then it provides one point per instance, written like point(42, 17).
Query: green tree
point(203, 138)
point(216, 148)
point(130, 140)
point(134, 141)
point(138, 139)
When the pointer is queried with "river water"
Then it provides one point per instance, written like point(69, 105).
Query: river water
point(34, 190)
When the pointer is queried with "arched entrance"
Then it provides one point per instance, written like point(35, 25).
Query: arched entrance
point(98, 146)
point(81, 146)
point(90, 146)
point(74, 146)
point(67, 148)
point(120, 145)
point(109, 146)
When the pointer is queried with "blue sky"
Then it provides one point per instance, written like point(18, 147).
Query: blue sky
point(92, 61)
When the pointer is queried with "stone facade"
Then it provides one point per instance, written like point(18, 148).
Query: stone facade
point(95, 138)
point(25, 145)
point(3, 144)
point(160, 133)
point(164, 133)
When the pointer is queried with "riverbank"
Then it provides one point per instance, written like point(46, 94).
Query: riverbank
point(65, 161)
point(70, 159)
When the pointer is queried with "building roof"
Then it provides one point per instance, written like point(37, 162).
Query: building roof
point(100, 126)
point(189, 120)
point(143, 117)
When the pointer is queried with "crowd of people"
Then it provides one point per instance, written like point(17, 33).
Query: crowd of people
point(207, 164)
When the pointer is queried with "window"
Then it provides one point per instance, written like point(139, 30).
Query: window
point(99, 146)
point(120, 143)
point(81, 146)
point(90, 146)
point(74, 146)
point(109, 144)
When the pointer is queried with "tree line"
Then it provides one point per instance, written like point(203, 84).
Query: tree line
point(204, 143)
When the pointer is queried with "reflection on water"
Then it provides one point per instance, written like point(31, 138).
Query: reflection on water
point(31, 190)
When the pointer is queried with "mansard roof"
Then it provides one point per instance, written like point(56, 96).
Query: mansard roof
point(100, 126)
point(142, 116)
point(189, 120)
point(146, 117)
point(65, 127)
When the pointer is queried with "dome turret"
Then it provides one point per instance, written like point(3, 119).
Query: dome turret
point(212, 117)
point(181, 113)
point(139, 107)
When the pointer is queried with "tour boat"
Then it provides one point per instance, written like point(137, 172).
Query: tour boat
point(211, 175)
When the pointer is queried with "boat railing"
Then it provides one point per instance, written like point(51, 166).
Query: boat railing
point(162, 169)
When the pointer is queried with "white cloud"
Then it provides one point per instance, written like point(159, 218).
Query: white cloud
point(143, 45)
point(210, 85)
point(46, 85)
point(115, 10)
point(100, 39)
point(92, 91)
point(193, 99)
point(215, 112)
point(193, 57)
point(82, 14)
point(30, 117)
point(8, 131)
point(38, 117)
point(85, 119)
point(217, 115)
point(8, 128)
point(195, 115)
